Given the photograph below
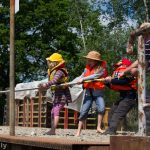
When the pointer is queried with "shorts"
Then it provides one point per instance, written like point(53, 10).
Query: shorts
point(57, 107)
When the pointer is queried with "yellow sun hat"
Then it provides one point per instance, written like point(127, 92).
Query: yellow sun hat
point(55, 57)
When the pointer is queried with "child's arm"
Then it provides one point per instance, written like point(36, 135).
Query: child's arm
point(93, 76)
point(97, 75)
point(57, 76)
point(133, 65)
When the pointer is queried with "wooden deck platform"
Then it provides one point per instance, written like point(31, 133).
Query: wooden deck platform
point(129, 143)
point(35, 138)
point(43, 143)
point(28, 138)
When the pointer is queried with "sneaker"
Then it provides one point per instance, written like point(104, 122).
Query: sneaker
point(109, 132)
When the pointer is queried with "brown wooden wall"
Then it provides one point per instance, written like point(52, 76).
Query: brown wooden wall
point(129, 143)
point(36, 112)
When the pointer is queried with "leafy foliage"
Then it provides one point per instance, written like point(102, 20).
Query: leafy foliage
point(43, 27)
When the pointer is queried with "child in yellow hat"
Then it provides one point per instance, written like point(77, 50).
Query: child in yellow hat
point(57, 74)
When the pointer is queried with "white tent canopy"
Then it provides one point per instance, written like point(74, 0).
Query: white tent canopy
point(77, 93)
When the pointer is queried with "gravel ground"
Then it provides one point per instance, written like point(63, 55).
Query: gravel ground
point(86, 135)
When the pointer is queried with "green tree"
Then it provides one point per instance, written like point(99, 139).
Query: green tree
point(70, 27)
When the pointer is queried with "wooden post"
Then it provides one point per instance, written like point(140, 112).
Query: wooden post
point(105, 118)
point(27, 113)
point(31, 112)
point(75, 117)
point(141, 75)
point(40, 108)
point(66, 118)
point(24, 112)
point(141, 86)
point(12, 68)
point(7, 108)
point(17, 112)
point(85, 124)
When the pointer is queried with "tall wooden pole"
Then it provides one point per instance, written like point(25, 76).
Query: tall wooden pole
point(143, 122)
point(141, 86)
point(12, 68)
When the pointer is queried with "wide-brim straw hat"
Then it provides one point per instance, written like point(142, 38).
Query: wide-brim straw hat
point(94, 55)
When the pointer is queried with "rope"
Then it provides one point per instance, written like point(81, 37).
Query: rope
point(64, 84)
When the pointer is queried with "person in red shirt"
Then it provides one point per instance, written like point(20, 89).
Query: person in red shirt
point(126, 86)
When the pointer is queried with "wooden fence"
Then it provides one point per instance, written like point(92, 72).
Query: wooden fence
point(36, 112)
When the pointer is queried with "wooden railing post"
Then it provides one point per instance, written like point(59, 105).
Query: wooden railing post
point(66, 118)
point(40, 108)
point(24, 112)
point(31, 112)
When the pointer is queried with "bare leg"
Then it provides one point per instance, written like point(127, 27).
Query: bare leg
point(99, 122)
point(80, 125)
point(54, 125)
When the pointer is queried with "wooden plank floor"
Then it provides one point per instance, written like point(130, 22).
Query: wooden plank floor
point(34, 138)
point(129, 143)
point(28, 138)
point(51, 143)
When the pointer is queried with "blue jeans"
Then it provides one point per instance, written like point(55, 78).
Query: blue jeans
point(87, 104)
